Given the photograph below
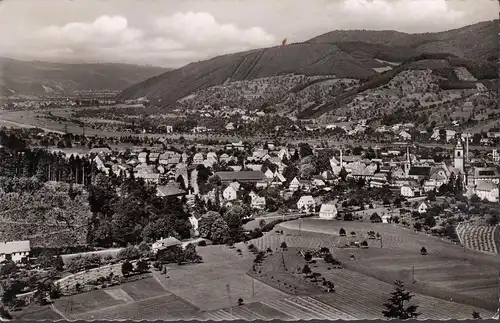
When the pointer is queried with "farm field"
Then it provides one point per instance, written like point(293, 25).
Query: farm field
point(478, 237)
point(442, 273)
point(221, 267)
point(141, 299)
point(357, 296)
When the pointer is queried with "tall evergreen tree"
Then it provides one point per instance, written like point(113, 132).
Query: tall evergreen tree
point(397, 306)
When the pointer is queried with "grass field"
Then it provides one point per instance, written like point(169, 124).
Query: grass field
point(205, 285)
point(442, 273)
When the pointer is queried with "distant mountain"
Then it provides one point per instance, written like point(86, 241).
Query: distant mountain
point(38, 78)
point(345, 54)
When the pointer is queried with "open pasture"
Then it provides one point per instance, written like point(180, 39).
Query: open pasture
point(205, 285)
point(448, 271)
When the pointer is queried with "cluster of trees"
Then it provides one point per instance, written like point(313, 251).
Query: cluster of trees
point(133, 216)
point(223, 228)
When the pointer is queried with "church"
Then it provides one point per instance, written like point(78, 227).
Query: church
point(479, 177)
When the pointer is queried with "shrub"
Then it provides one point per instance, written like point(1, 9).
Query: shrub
point(202, 243)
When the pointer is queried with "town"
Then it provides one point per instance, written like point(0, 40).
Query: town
point(124, 211)
point(248, 160)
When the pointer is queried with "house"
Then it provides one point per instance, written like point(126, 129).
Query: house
point(328, 211)
point(258, 202)
point(230, 126)
point(410, 190)
point(143, 157)
point(306, 203)
point(16, 251)
point(100, 164)
point(422, 208)
point(198, 159)
point(121, 170)
point(487, 191)
point(269, 173)
point(164, 244)
point(153, 158)
point(100, 151)
point(296, 183)
point(241, 176)
point(169, 191)
point(230, 193)
point(379, 180)
point(318, 181)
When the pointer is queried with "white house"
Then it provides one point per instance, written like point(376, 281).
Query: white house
point(487, 191)
point(269, 173)
point(258, 202)
point(422, 208)
point(328, 211)
point(143, 157)
point(230, 193)
point(14, 250)
point(409, 190)
point(306, 203)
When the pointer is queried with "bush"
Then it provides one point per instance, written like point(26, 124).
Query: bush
point(129, 253)
point(202, 243)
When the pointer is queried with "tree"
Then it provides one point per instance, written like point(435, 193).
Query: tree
point(219, 231)
point(262, 223)
point(476, 316)
point(343, 174)
point(307, 257)
point(342, 232)
point(129, 253)
point(306, 270)
point(240, 301)
point(206, 222)
point(397, 306)
point(127, 268)
point(142, 266)
point(493, 220)
point(55, 291)
point(423, 251)
point(283, 245)
point(431, 196)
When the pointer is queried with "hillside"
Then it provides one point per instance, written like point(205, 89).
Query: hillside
point(38, 78)
point(357, 54)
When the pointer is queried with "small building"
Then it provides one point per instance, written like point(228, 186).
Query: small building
point(422, 208)
point(169, 191)
point(328, 211)
point(306, 203)
point(194, 220)
point(230, 193)
point(487, 191)
point(164, 244)
point(258, 202)
point(14, 251)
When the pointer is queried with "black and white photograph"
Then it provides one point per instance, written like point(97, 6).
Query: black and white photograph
point(220, 160)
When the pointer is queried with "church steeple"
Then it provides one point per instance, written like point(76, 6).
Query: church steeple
point(459, 156)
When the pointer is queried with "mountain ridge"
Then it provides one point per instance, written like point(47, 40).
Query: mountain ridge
point(39, 77)
point(331, 53)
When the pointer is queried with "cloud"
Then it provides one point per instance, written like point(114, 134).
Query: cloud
point(179, 38)
point(201, 29)
point(407, 15)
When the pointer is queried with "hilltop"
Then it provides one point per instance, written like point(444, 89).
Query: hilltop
point(358, 54)
point(38, 78)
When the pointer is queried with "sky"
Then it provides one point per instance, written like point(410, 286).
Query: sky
point(172, 33)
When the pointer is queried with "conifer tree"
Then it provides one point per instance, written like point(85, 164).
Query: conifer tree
point(397, 306)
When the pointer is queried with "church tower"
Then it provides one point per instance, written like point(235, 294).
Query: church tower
point(459, 157)
point(407, 163)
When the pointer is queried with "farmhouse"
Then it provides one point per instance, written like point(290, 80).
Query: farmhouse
point(14, 250)
point(306, 203)
point(328, 211)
